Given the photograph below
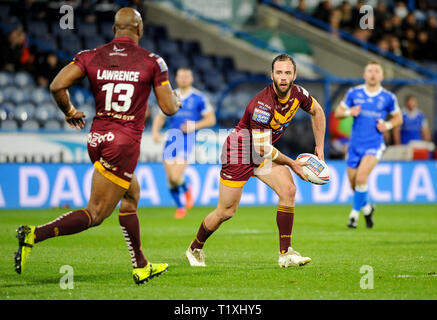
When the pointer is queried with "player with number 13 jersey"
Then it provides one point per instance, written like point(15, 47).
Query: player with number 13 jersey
point(121, 75)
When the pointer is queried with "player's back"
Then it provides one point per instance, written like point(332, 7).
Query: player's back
point(121, 75)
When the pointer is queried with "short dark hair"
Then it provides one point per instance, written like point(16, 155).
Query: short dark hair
point(284, 57)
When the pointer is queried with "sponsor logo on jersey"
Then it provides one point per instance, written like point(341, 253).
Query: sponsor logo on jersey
point(117, 51)
point(162, 64)
point(261, 115)
point(95, 138)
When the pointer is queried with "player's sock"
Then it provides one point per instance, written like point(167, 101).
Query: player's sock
point(367, 209)
point(130, 226)
point(174, 191)
point(69, 223)
point(201, 237)
point(184, 186)
point(284, 220)
point(360, 197)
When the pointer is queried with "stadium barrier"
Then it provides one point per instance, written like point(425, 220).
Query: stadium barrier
point(68, 185)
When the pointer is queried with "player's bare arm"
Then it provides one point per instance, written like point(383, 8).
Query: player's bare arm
point(318, 121)
point(342, 112)
point(395, 121)
point(208, 120)
point(168, 99)
point(157, 125)
point(262, 146)
point(68, 76)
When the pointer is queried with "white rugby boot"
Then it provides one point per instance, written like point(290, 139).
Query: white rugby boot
point(195, 257)
point(292, 259)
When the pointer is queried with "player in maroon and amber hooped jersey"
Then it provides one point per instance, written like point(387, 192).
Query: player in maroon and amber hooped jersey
point(249, 151)
point(121, 76)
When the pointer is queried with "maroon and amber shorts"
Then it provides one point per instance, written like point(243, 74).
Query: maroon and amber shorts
point(114, 154)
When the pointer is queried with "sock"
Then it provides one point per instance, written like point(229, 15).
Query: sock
point(367, 209)
point(360, 197)
point(354, 214)
point(175, 195)
point(284, 220)
point(184, 186)
point(69, 223)
point(201, 237)
point(130, 226)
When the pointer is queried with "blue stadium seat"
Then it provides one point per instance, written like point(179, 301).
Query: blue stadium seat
point(9, 92)
point(190, 47)
point(168, 47)
point(52, 125)
point(177, 61)
point(37, 28)
point(9, 108)
point(23, 79)
point(87, 29)
point(9, 125)
point(148, 44)
point(106, 30)
point(24, 112)
point(3, 114)
point(80, 96)
point(39, 95)
point(45, 112)
point(202, 62)
point(155, 32)
point(88, 110)
point(214, 80)
point(71, 44)
point(224, 63)
point(5, 79)
point(19, 96)
point(30, 125)
point(93, 41)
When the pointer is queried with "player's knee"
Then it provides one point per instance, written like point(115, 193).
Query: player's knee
point(287, 191)
point(361, 179)
point(98, 214)
point(227, 213)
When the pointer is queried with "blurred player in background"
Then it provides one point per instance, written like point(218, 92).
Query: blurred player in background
point(196, 114)
point(266, 117)
point(121, 76)
point(414, 126)
point(369, 104)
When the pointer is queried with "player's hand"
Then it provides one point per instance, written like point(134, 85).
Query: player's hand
point(355, 111)
point(76, 120)
point(318, 151)
point(297, 166)
point(188, 127)
point(381, 126)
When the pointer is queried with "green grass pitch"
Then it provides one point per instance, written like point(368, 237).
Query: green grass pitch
point(241, 256)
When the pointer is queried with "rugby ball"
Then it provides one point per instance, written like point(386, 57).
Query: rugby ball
point(316, 171)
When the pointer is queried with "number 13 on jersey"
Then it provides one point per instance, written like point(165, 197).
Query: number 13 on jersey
point(124, 98)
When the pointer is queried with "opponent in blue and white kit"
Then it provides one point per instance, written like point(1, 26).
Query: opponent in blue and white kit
point(370, 104)
point(196, 113)
point(415, 126)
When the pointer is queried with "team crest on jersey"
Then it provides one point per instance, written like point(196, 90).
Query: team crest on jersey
point(118, 51)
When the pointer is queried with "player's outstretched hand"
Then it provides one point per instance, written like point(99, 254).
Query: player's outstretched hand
point(178, 99)
point(296, 166)
point(76, 120)
point(355, 111)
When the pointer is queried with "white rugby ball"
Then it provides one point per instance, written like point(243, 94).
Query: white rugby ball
point(316, 171)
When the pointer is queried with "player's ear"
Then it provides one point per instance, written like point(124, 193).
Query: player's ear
point(113, 28)
point(271, 75)
point(295, 76)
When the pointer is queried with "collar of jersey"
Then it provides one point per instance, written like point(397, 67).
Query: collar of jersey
point(124, 39)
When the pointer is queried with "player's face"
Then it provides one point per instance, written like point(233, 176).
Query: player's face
point(283, 76)
point(373, 74)
point(184, 78)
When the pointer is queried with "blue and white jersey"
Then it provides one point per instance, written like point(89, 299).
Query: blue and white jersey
point(194, 105)
point(412, 126)
point(374, 106)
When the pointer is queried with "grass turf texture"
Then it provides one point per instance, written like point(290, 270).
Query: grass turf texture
point(241, 256)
